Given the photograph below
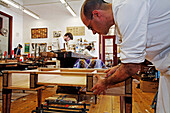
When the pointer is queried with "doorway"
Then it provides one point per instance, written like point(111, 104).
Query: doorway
point(109, 50)
point(5, 33)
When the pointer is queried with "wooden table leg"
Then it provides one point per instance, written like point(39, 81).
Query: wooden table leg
point(6, 100)
point(125, 101)
point(39, 97)
point(125, 104)
point(128, 100)
point(122, 104)
point(128, 104)
point(95, 99)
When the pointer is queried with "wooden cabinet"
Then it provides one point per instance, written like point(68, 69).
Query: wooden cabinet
point(108, 50)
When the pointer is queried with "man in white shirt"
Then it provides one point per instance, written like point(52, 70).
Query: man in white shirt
point(63, 41)
point(87, 51)
point(143, 31)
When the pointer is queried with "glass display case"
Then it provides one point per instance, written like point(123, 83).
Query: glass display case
point(109, 50)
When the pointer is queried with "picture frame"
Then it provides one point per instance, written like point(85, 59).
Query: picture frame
point(37, 33)
point(27, 47)
point(56, 34)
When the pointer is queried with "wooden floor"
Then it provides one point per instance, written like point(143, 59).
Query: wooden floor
point(106, 104)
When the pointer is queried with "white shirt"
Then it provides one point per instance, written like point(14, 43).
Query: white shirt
point(87, 52)
point(62, 43)
point(143, 29)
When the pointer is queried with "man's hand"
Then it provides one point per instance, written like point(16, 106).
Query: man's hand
point(110, 71)
point(100, 86)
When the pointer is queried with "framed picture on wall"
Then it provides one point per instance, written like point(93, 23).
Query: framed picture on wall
point(37, 33)
point(27, 47)
point(77, 31)
point(56, 34)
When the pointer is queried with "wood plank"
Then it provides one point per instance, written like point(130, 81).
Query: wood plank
point(29, 103)
point(72, 69)
point(116, 104)
point(56, 78)
point(143, 99)
point(28, 89)
point(20, 80)
point(79, 80)
point(53, 72)
point(106, 104)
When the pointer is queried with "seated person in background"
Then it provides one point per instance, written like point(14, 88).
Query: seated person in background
point(63, 41)
point(17, 51)
point(87, 51)
point(89, 63)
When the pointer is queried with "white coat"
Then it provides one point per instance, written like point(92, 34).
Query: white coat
point(143, 31)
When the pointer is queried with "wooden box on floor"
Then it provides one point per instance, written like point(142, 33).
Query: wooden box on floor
point(149, 86)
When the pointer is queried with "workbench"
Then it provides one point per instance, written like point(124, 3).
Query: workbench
point(68, 59)
point(8, 64)
point(15, 66)
point(36, 80)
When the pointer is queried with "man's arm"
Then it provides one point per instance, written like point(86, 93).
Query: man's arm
point(121, 74)
point(112, 70)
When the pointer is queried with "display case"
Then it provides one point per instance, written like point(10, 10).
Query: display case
point(108, 50)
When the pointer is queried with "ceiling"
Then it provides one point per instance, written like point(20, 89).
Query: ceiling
point(39, 2)
point(47, 5)
point(29, 3)
point(52, 6)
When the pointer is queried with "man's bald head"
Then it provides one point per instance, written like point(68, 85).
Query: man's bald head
point(90, 5)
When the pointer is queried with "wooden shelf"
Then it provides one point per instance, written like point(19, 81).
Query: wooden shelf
point(108, 60)
point(108, 53)
point(108, 45)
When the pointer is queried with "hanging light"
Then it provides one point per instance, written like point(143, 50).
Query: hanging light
point(68, 7)
point(12, 3)
point(71, 10)
point(22, 8)
point(31, 14)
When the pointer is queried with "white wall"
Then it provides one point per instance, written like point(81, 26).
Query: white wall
point(17, 32)
point(56, 18)
point(4, 39)
point(53, 16)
